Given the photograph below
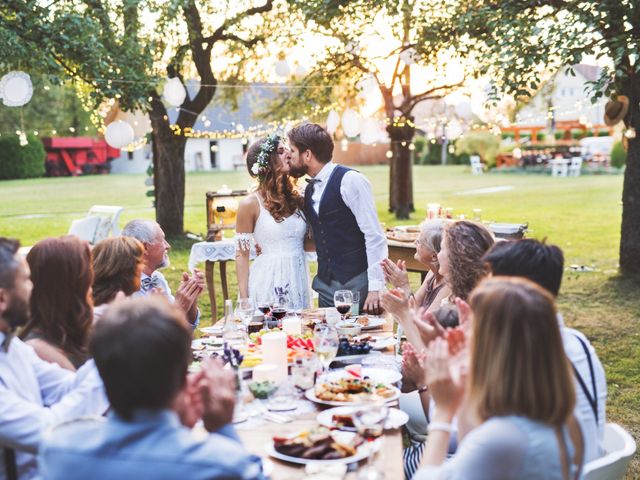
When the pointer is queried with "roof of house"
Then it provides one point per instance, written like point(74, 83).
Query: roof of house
point(590, 72)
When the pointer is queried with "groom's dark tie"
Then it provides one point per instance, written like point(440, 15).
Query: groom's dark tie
point(312, 183)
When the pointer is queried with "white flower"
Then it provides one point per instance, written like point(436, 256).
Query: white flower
point(255, 168)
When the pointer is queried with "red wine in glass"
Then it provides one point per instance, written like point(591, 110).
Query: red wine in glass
point(264, 308)
point(279, 313)
point(343, 308)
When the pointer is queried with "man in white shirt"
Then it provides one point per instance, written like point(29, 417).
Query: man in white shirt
point(339, 206)
point(156, 247)
point(544, 264)
point(34, 394)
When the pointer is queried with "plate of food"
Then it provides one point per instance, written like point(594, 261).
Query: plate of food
point(212, 330)
point(207, 343)
point(370, 322)
point(321, 445)
point(349, 391)
point(377, 375)
point(380, 343)
point(342, 419)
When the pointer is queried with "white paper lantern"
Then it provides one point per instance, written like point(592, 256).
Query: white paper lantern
point(333, 120)
point(350, 123)
point(464, 110)
point(119, 134)
point(409, 56)
point(453, 130)
point(16, 89)
point(174, 92)
point(138, 120)
point(370, 131)
point(282, 68)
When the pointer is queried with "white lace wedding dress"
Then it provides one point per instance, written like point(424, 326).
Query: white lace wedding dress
point(282, 263)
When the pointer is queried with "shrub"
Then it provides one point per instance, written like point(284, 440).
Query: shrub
point(17, 161)
point(508, 135)
point(618, 155)
point(421, 145)
point(559, 135)
point(603, 133)
point(479, 142)
point(541, 136)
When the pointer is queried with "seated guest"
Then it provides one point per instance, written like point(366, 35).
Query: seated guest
point(156, 256)
point(34, 394)
point(434, 287)
point(142, 348)
point(544, 265)
point(519, 390)
point(61, 304)
point(117, 263)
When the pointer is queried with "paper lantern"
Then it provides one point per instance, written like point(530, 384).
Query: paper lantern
point(350, 123)
point(119, 134)
point(464, 110)
point(409, 56)
point(333, 120)
point(174, 92)
point(370, 131)
point(16, 89)
point(138, 120)
point(282, 68)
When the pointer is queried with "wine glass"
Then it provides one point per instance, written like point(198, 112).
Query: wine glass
point(369, 419)
point(343, 299)
point(279, 307)
point(244, 310)
point(326, 341)
point(265, 308)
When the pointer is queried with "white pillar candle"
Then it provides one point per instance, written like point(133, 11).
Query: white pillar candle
point(292, 325)
point(265, 372)
point(274, 352)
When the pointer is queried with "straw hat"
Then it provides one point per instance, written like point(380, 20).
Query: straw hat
point(616, 110)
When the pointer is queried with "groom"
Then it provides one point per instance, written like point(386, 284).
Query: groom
point(339, 205)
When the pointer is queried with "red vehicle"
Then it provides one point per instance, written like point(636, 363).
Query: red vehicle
point(71, 156)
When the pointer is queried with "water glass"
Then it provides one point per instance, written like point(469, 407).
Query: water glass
point(355, 307)
point(369, 419)
point(303, 370)
point(244, 310)
point(326, 341)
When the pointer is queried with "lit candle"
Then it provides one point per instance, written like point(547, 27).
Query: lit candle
point(265, 373)
point(292, 325)
point(274, 352)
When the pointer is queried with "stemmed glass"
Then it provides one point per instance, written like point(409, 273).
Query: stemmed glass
point(326, 341)
point(265, 308)
point(244, 310)
point(279, 307)
point(343, 299)
point(369, 419)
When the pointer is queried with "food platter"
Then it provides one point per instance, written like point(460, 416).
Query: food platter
point(396, 418)
point(378, 375)
point(311, 395)
point(370, 322)
point(212, 330)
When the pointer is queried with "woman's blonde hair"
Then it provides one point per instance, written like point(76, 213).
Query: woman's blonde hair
point(518, 363)
point(116, 263)
point(467, 242)
point(279, 192)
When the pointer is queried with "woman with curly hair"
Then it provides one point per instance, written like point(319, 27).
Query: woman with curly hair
point(272, 218)
point(460, 256)
point(61, 304)
point(118, 264)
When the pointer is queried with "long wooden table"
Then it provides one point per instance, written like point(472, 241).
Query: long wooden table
point(255, 439)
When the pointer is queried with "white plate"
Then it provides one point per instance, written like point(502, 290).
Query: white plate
point(206, 343)
point(213, 330)
point(378, 375)
point(383, 342)
point(311, 395)
point(396, 418)
point(374, 322)
point(362, 452)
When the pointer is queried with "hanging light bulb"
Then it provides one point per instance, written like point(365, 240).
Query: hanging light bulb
point(630, 133)
point(344, 144)
point(389, 154)
point(23, 139)
point(412, 146)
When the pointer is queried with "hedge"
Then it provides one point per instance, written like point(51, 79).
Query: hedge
point(18, 161)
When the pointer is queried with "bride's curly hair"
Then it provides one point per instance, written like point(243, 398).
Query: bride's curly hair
point(281, 198)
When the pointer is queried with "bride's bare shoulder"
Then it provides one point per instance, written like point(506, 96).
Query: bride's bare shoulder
point(249, 204)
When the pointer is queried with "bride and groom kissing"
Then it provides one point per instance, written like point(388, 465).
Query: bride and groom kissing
point(335, 216)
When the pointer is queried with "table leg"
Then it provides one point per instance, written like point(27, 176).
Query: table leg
point(211, 288)
point(223, 279)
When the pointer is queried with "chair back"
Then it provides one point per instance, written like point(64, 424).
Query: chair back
point(476, 165)
point(85, 228)
point(619, 448)
point(575, 166)
point(109, 216)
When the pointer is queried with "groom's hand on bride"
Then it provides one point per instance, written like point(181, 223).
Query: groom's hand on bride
point(372, 304)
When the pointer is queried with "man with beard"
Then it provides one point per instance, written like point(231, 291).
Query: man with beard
point(156, 249)
point(34, 394)
point(339, 205)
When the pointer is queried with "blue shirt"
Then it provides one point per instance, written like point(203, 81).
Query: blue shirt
point(154, 445)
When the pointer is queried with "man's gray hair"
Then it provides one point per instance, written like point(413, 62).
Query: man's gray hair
point(140, 229)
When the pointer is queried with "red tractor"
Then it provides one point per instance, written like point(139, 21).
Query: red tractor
point(71, 156)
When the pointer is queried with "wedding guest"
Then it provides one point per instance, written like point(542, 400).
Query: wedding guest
point(34, 394)
point(544, 265)
point(519, 391)
point(61, 303)
point(339, 206)
point(117, 263)
point(142, 348)
point(434, 287)
point(156, 256)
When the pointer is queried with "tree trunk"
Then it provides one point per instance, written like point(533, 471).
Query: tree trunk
point(168, 172)
point(401, 171)
point(630, 231)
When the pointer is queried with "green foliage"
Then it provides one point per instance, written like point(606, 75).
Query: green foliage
point(480, 142)
point(603, 133)
point(508, 135)
point(421, 144)
point(18, 161)
point(618, 155)
point(541, 136)
point(559, 135)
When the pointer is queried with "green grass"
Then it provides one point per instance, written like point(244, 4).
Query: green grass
point(581, 214)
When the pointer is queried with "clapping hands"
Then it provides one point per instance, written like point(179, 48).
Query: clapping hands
point(396, 274)
point(188, 292)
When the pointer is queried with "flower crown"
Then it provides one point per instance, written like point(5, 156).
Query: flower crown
point(267, 148)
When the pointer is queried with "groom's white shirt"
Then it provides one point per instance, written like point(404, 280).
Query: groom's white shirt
point(356, 193)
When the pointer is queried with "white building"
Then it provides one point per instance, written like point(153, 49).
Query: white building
point(568, 96)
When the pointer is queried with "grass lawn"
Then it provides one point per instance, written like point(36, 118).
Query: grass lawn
point(582, 215)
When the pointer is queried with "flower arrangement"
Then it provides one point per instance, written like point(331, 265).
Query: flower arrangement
point(269, 146)
point(282, 290)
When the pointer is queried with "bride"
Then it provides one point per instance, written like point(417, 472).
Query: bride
point(271, 217)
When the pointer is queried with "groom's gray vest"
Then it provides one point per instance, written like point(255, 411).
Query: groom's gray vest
point(340, 244)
